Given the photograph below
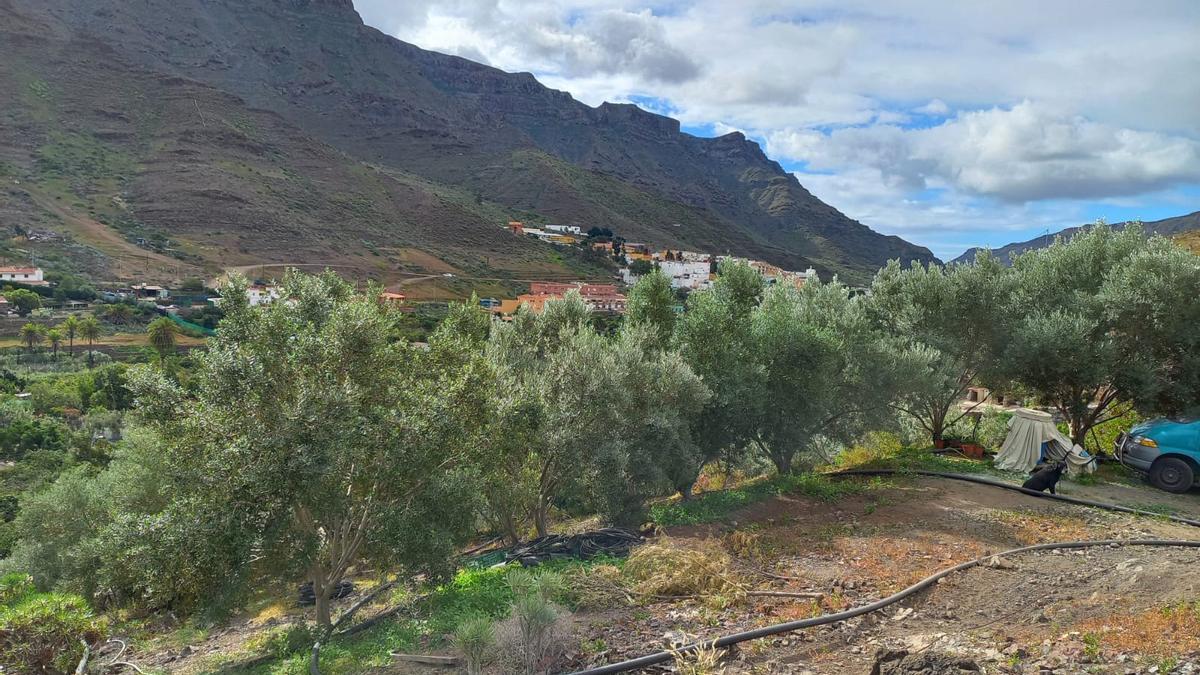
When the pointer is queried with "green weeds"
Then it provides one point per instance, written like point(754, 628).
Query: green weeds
point(716, 505)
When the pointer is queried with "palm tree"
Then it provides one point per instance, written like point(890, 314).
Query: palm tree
point(70, 325)
point(119, 313)
point(89, 329)
point(55, 337)
point(32, 335)
point(162, 337)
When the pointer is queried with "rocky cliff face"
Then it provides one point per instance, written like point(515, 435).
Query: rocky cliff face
point(514, 145)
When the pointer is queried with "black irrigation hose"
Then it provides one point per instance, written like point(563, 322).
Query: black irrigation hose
point(766, 631)
point(1016, 488)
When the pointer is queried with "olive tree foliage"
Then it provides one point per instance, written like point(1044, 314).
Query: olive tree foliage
point(656, 400)
point(714, 339)
point(949, 318)
point(1154, 301)
point(652, 304)
point(548, 413)
point(1109, 316)
point(578, 413)
point(313, 442)
point(62, 530)
point(827, 374)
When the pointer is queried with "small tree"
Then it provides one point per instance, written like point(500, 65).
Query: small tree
point(70, 326)
point(552, 362)
point(652, 304)
point(826, 372)
point(24, 300)
point(118, 313)
point(639, 267)
point(951, 319)
point(1098, 327)
point(89, 329)
point(55, 337)
point(161, 333)
point(714, 339)
point(313, 440)
point(32, 334)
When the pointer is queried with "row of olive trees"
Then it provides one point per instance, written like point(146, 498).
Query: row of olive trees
point(1088, 327)
point(311, 439)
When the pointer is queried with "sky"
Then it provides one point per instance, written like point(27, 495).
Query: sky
point(952, 123)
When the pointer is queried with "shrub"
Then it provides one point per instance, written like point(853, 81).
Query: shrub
point(664, 569)
point(993, 429)
point(15, 586)
point(704, 660)
point(46, 632)
point(534, 637)
point(474, 638)
point(874, 447)
point(285, 640)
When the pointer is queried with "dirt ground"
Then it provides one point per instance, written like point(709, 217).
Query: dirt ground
point(1061, 612)
point(1113, 610)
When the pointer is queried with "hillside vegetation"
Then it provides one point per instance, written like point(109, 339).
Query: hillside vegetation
point(310, 442)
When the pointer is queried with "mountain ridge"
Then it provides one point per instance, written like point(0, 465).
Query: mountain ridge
point(502, 142)
point(1167, 227)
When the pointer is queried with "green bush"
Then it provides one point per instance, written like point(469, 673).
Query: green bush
point(46, 632)
point(15, 586)
point(993, 429)
point(286, 640)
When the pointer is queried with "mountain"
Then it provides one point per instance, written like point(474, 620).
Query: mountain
point(166, 137)
point(1168, 227)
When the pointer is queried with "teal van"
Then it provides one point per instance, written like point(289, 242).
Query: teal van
point(1168, 451)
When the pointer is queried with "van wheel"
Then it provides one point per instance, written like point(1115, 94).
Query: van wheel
point(1172, 474)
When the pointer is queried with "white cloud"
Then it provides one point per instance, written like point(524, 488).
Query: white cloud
point(936, 107)
point(1036, 104)
point(1025, 153)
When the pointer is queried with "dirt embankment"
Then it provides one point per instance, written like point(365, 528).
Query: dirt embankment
point(1063, 612)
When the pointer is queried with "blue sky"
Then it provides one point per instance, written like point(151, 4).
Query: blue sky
point(950, 124)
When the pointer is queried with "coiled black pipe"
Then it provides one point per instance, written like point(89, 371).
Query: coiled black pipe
point(1015, 488)
point(766, 631)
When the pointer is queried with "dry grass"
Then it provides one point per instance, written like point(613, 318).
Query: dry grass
point(1037, 528)
point(746, 544)
point(596, 587)
point(893, 563)
point(273, 611)
point(668, 570)
point(1165, 632)
point(701, 661)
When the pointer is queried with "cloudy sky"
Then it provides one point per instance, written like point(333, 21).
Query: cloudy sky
point(949, 122)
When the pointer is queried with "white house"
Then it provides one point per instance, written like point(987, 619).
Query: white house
point(692, 275)
point(256, 295)
point(262, 295)
point(564, 229)
point(30, 276)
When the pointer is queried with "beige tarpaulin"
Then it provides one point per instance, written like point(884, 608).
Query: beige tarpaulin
point(1022, 449)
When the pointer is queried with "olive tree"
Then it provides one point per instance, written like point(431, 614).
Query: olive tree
point(652, 304)
point(951, 319)
point(600, 421)
point(714, 339)
point(1101, 324)
point(655, 401)
point(312, 442)
point(826, 373)
point(552, 371)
